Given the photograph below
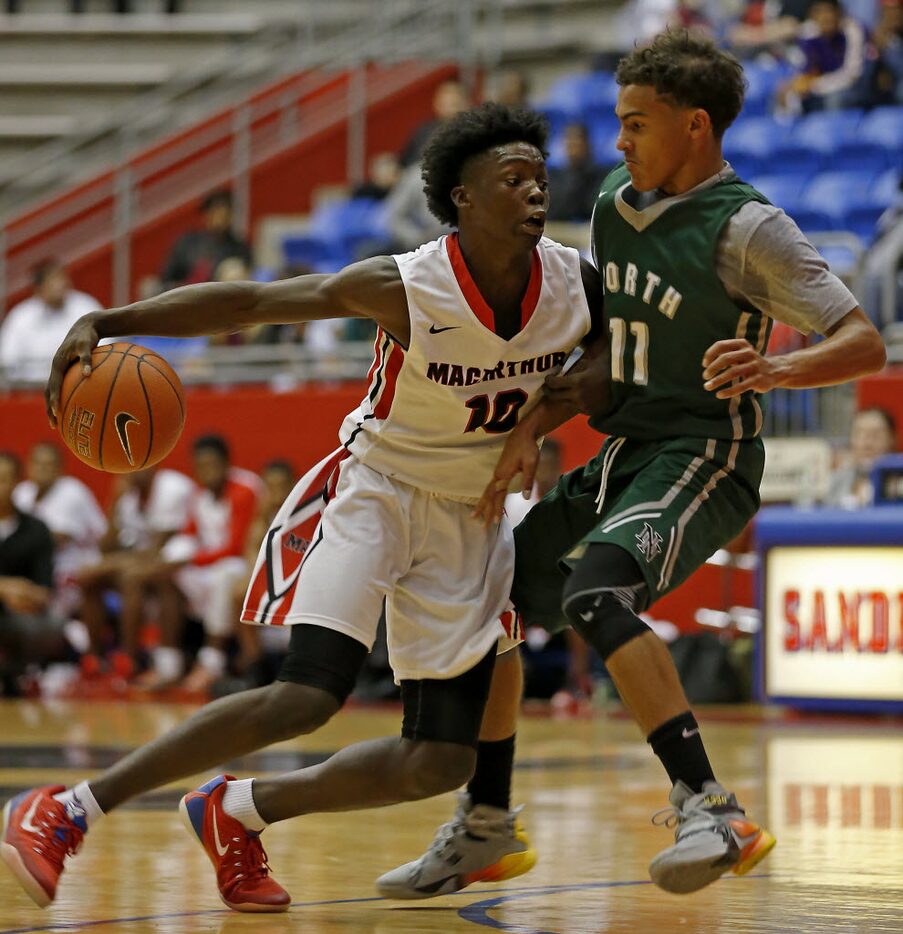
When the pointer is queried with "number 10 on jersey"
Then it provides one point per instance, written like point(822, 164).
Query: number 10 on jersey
point(640, 332)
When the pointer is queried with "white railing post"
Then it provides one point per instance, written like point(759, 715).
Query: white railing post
point(356, 154)
point(241, 168)
point(122, 234)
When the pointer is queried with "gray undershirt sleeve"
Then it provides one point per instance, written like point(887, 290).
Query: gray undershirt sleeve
point(766, 263)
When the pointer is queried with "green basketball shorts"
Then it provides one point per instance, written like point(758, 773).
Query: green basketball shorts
point(670, 504)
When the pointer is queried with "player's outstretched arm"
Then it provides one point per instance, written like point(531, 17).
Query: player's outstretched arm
point(852, 348)
point(369, 289)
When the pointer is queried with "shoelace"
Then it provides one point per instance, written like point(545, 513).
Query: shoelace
point(445, 834)
point(251, 858)
point(58, 837)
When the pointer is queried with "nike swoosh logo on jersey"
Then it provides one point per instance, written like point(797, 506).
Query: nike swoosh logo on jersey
point(586, 616)
point(123, 419)
point(222, 850)
point(688, 733)
point(451, 327)
point(26, 824)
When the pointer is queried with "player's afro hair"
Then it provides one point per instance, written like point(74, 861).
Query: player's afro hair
point(469, 134)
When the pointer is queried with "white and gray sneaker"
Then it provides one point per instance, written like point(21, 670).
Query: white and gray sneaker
point(479, 844)
point(712, 836)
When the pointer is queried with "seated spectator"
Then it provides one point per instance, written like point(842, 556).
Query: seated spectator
point(29, 633)
point(148, 508)
point(33, 329)
point(200, 563)
point(254, 642)
point(383, 172)
point(575, 186)
point(70, 511)
point(511, 88)
point(872, 435)
point(889, 44)
point(197, 253)
point(409, 219)
point(838, 64)
point(765, 26)
point(449, 99)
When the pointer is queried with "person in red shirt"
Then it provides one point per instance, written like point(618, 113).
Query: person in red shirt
point(200, 561)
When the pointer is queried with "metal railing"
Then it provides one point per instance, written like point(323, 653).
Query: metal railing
point(407, 38)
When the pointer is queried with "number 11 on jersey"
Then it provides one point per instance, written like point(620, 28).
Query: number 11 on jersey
point(640, 332)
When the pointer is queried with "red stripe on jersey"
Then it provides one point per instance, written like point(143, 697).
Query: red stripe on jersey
point(377, 360)
point(472, 294)
point(393, 368)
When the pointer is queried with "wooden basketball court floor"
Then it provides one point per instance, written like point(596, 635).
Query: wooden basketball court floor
point(831, 790)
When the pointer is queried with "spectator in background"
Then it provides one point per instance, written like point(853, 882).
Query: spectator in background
point(511, 88)
point(409, 219)
point(68, 508)
point(255, 642)
point(383, 172)
point(28, 632)
point(198, 252)
point(766, 26)
point(449, 99)
point(33, 329)
point(872, 435)
point(575, 185)
point(839, 62)
point(148, 508)
point(889, 45)
point(201, 561)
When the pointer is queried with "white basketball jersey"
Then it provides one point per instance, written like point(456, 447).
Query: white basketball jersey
point(437, 414)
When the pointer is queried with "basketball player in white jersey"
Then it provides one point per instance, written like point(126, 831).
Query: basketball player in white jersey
point(469, 326)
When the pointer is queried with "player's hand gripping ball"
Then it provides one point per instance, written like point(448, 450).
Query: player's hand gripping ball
point(127, 414)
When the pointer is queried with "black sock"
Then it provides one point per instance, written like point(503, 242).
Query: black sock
point(491, 782)
point(679, 746)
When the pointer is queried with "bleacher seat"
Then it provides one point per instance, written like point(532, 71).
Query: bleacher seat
point(784, 191)
point(837, 193)
point(878, 142)
point(754, 138)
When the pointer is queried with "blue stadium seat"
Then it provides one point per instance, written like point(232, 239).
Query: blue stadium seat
point(826, 130)
point(745, 166)
point(784, 191)
point(755, 137)
point(174, 349)
point(884, 127)
point(837, 193)
point(762, 81)
point(863, 221)
point(886, 188)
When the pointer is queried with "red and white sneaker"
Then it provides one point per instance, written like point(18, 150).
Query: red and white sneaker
point(242, 874)
point(38, 835)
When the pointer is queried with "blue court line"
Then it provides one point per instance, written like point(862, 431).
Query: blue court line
point(475, 913)
point(478, 912)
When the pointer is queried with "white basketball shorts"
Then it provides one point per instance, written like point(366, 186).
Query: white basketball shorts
point(348, 538)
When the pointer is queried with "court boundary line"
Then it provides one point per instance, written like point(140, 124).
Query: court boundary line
point(477, 909)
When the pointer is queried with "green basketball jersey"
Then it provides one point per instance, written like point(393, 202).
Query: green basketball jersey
point(665, 306)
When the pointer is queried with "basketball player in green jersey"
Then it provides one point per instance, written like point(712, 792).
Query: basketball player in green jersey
point(696, 265)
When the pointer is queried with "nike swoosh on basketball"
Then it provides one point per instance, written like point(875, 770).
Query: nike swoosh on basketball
point(688, 733)
point(123, 419)
point(26, 824)
point(451, 327)
point(222, 850)
point(586, 616)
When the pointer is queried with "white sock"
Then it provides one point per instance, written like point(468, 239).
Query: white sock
point(238, 802)
point(212, 660)
point(80, 802)
point(168, 662)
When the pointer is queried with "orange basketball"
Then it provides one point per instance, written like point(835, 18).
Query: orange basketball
point(127, 414)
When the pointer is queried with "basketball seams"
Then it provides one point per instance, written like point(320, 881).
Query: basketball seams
point(143, 359)
point(64, 405)
point(106, 407)
point(150, 412)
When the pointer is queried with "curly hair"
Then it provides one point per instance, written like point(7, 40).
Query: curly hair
point(692, 71)
point(469, 134)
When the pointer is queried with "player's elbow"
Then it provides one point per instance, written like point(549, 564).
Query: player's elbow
point(875, 354)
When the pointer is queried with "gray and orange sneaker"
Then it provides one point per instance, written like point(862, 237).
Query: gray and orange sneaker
point(479, 844)
point(713, 836)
